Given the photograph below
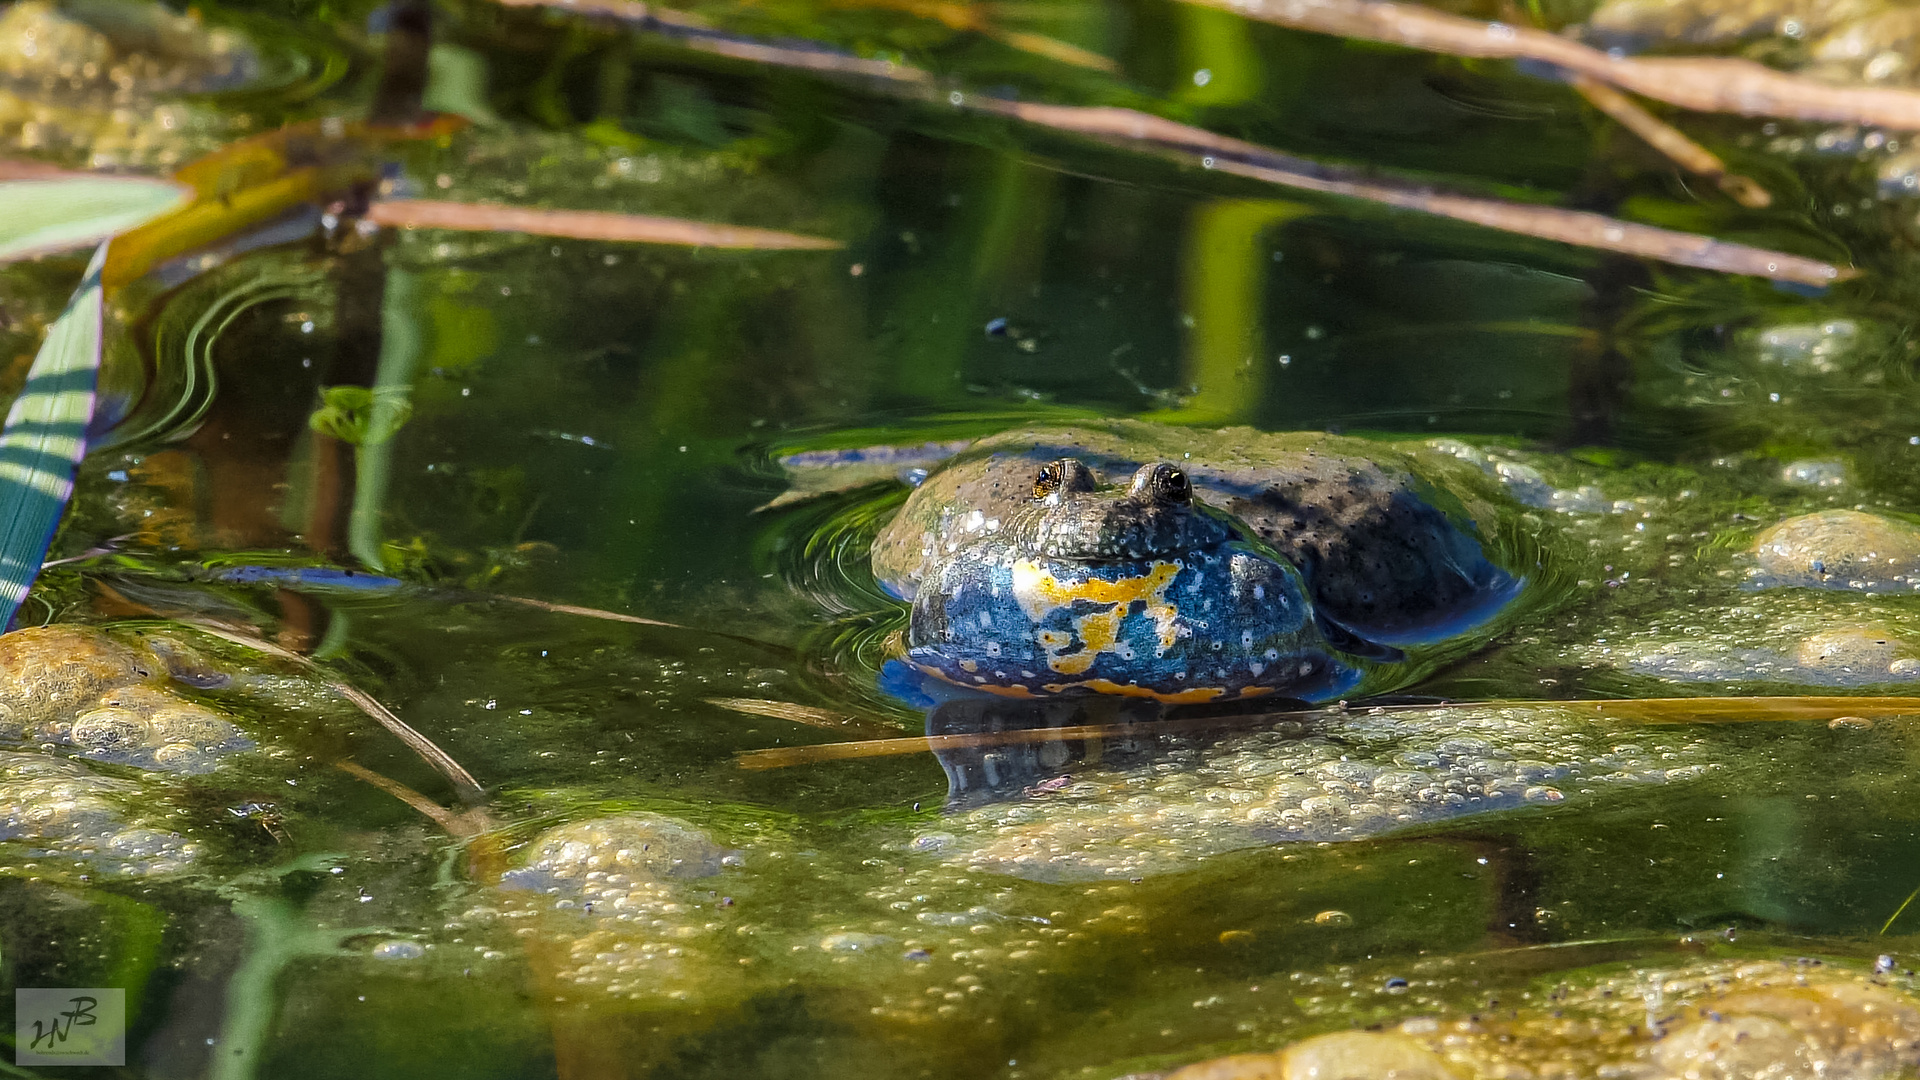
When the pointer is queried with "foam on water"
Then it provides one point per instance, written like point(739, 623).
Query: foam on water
point(1753, 1017)
point(1350, 778)
point(612, 899)
point(63, 810)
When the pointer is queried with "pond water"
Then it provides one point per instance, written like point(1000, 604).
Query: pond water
point(508, 438)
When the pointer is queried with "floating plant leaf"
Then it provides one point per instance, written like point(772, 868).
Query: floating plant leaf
point(360, 416)
point(46, 436)
point(55, 213)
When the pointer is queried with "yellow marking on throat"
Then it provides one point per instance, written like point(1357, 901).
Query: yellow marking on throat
point(987, 687)
point(1099, 686)
point(1176, 697)
point(1039, 594)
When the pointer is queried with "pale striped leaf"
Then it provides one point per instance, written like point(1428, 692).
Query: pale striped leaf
point(42, 214)
point(46, 436)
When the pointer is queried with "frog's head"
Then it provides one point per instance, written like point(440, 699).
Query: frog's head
point(1132, 591)
point(1072, 518)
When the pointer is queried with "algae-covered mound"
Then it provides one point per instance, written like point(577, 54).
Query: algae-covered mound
point(1348, 777)
point(59, 810)
point(97, 82)
point(1729, 1020)
point(111, 700)
point(616, 905)
point(1841, 549)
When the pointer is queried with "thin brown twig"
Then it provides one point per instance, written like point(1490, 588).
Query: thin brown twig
point(587, 612)
point(1704, 84)
point(106, 547)
point(699, 35)
point(806, 59)
point(469, 822)
point(636, 620)
point(1670, 141)
point(1577, 227)
point(464, 785)
point(978, 19)
point(586, 225)
point(825, 719)
point(1703, 710)
point(1051, 48)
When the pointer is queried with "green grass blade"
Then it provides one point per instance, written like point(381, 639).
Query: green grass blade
point(58, 213)
point(46, 436)
point(1899, 911)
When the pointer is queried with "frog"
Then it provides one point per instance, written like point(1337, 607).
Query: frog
point(1187, 566)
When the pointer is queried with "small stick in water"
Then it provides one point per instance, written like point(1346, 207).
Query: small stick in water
point(1581, 228)
point(1670, 141)
point(469, 822)
point(804, 714)
point(586, 612)
point(464, 785)
point(586, 225)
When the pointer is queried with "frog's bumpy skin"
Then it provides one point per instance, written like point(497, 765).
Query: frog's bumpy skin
point(1206, 625)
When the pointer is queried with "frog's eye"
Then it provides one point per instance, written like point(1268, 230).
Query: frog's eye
point(1162, 483)
point(1048, 481)
point(1171, 484)
point(1062, 476)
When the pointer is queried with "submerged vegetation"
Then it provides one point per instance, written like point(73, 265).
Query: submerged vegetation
point(467, 425)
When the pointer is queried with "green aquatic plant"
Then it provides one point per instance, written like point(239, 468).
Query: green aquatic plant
point(47, 429)
point(60, 212)
point(46, 436)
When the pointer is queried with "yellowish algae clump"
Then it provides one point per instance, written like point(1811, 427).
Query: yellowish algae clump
point(1840, 549)
point(60, 807)
point(1347, 777)
point(613, 905)
point(1842, 40)
point(92, 92)
point(1726, 1020)
point(108, 700)
point(102, 698)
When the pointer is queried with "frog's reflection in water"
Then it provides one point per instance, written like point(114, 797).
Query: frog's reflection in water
point(996, 749)
point(1098, 787)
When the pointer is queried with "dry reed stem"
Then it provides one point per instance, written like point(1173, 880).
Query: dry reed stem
point(1577, 227)
point(1670, 141)
point(469, 822)
point(697, 34)
point(1051, 48)
point(464, 785)
point(1704, 84)
point(585, 612)
point(805, 59)
point(586, 225)
point(804, 714)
